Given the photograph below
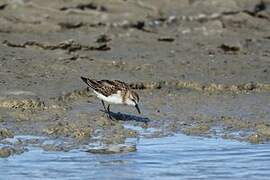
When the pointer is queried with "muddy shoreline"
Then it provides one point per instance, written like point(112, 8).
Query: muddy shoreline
point(201, 68)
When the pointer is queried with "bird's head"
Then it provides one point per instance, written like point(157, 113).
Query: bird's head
point(133, 100)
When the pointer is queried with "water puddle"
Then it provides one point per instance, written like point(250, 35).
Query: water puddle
point(172, 157)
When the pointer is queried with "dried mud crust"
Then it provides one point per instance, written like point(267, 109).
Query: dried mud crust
point(201, 68)
point(69, 46)
point(235, 88)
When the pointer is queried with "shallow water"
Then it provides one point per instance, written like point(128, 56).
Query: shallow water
point(174, 157)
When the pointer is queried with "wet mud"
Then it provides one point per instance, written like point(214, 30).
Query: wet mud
point(201, 68)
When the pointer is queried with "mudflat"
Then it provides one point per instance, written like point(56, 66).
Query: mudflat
point(201, 68)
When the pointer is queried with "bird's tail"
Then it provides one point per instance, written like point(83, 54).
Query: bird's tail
point(90, 82)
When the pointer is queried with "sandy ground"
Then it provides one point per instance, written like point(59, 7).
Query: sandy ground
point(200, 67)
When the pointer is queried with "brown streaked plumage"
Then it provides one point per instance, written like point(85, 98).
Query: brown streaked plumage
point(113, 91)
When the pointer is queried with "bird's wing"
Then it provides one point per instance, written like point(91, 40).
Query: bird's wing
point(106, 87)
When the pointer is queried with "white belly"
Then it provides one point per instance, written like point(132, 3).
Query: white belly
point(113, 99)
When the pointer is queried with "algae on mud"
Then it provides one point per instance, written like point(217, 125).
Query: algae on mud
point(6, 133)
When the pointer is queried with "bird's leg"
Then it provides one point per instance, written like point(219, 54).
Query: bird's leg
point(107, 109)
point(104, 105)
point(109, 112)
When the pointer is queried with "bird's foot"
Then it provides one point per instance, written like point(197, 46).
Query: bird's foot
point(109, 116)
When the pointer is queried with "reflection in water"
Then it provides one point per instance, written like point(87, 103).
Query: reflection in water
point(174, 157)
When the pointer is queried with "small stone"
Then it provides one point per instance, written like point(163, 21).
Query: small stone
point(254, 138)
point(231, 47)
point(166, 39)
point(5, 152)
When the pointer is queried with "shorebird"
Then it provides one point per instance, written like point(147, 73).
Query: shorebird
point(113, 92)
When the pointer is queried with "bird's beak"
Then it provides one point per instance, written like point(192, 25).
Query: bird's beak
point(138, 109)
